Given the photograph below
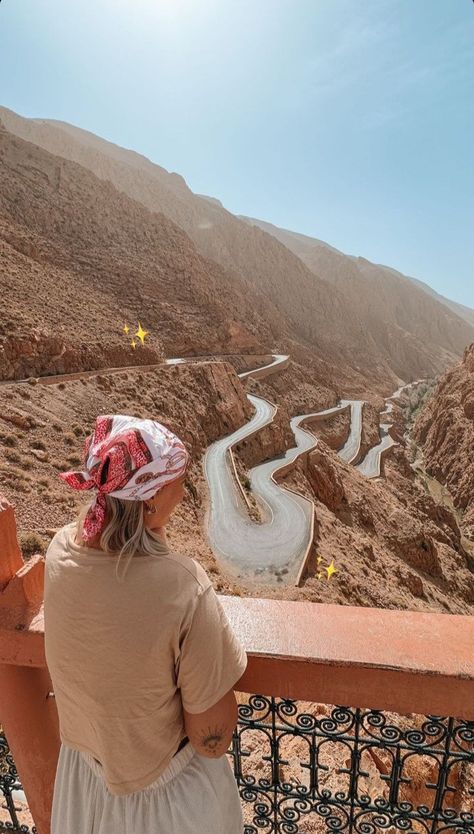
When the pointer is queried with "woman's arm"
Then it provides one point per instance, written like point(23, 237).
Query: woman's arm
point(210, 732)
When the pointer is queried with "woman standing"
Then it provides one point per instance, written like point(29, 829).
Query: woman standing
point(144, 666)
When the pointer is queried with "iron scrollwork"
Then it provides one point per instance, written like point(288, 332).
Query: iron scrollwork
point(9, 782)
point(362, 770)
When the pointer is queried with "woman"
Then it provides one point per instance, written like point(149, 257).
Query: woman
point(142, 667)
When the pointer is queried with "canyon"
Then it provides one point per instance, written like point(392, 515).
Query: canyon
point(81, 256)
point(94, 237)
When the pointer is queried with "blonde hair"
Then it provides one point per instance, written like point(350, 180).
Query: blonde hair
point(125, 533)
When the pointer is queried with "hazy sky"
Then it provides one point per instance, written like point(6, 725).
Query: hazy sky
point(349, 121)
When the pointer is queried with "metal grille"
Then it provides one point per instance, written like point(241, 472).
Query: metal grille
point(351, 769)
point(334, 767)
point(9, 782)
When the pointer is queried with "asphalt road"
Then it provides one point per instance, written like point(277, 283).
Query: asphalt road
point(277, 545)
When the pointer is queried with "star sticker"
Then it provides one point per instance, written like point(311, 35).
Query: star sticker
point(126, 329)
point(133, 344)
point(331, 569)
point(319, 559)
point(141, 333)
point(319, 575)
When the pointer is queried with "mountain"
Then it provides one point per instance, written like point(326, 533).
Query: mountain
point(385, 336)
point(466, 313)
point(311, 251)
point(247, 254)
point(398, 311)
point(445, 431)
point(79, 258)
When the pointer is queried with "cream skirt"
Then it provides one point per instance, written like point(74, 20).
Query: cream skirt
point(194, 795)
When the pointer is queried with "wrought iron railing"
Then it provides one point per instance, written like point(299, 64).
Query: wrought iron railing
point(9, 786)
point(334, 768)
point(351, 769)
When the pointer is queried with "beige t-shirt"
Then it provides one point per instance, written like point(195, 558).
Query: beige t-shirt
point(124, 657)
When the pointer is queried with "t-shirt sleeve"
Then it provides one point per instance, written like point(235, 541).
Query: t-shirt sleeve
point(211, 658)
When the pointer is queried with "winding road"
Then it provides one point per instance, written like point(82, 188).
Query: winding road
point(277, 546)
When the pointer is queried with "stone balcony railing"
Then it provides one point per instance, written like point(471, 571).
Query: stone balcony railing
point(353, 719)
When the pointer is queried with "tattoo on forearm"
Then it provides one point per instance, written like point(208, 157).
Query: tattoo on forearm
point(212, 738)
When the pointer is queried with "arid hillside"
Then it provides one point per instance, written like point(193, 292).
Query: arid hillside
point(250, 256)
point(445, 431)
point(79, 258)
point(406, 318)
point(382, 333)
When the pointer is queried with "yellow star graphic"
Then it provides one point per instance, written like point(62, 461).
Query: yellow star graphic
point(331, 569)
point(319, 559)
point(126, 329)
point(133, 344)
point(319, 575)
point(141, 333)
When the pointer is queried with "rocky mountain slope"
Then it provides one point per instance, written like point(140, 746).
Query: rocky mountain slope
point(248, 255)
point(445, 431)
point(309, 249)
point(414, 326)
point(93, 258)
point(79, 258)
point(377, 335)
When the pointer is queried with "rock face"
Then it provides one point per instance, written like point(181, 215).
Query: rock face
point(445, 431)
point(369, 318)
point(324, 478)
point(391, 544)
point(39, 353)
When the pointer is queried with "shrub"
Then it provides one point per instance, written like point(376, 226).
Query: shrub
point(60, 464)
point(75, 460)
point(14, 474)
point(13, 456)
point(69, 439)
point(31, 543)
point(38, 444)
point(77, 430)
point(9, 440)
point(57, 427)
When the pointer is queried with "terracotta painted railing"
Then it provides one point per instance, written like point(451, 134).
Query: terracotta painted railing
point(398, 660)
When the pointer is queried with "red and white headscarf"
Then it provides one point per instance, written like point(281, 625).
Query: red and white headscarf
point(136, 457)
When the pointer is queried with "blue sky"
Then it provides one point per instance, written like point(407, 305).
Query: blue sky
point(349, 121)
